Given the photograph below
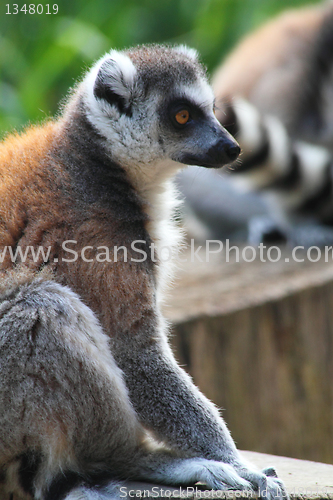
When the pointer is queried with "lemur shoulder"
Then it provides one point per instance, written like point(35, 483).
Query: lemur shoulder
point(85, 363)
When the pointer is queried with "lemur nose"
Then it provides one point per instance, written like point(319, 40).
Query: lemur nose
point(227, 148)
point(233, 151)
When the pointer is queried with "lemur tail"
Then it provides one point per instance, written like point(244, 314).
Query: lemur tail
point(297, 174)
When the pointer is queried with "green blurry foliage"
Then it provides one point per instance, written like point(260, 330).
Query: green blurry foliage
point(42, 55)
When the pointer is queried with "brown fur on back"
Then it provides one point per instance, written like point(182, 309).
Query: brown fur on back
point(40, 205)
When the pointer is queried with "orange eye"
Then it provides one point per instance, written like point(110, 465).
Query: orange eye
point(182, 116)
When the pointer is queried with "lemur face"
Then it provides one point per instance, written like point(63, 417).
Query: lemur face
point(153, 104)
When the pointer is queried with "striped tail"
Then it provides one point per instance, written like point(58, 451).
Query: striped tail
point(295, 177)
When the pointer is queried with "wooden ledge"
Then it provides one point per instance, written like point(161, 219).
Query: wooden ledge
point(218, 287)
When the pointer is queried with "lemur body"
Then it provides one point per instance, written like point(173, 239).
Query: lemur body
point(274, 93)
point(85, 363)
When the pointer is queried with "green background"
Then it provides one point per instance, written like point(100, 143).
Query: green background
point(41, 55)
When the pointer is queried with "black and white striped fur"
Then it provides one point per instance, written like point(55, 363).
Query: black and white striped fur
point(294, 177)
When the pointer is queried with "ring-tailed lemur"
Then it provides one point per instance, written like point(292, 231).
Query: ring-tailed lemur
point(284, 71)
point(84, 359)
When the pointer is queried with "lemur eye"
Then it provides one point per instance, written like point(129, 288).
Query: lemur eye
point(182, 116)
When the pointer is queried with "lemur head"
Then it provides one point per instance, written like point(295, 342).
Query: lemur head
point(153, 106)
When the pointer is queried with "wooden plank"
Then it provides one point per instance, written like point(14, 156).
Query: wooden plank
point(218, 287)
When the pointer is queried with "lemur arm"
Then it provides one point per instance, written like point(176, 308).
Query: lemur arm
point(164, 396)
point(182, 416)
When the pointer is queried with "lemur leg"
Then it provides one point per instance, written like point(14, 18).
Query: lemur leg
point(182, 415)
point(62, 397)
point(67, 427)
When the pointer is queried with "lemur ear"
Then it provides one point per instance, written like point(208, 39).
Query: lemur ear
point(115, 81)
point(188, 51)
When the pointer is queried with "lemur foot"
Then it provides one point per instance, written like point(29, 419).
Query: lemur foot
point(187, 472)
point(270, 471)
point(266, 483)
point(222, 476)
